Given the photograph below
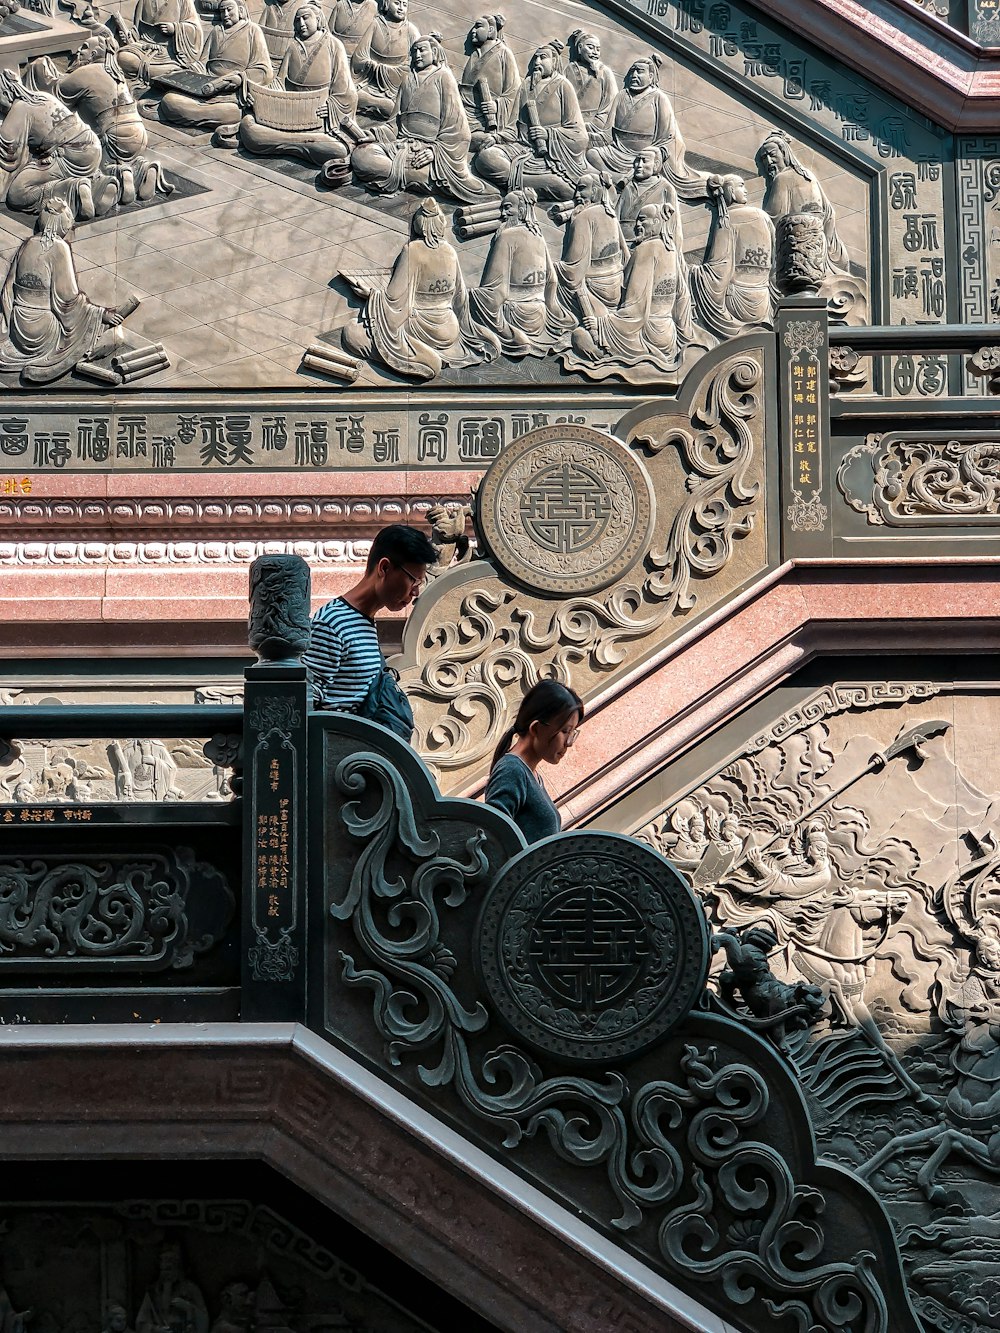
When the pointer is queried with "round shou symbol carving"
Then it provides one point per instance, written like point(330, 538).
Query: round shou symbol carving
point(565, 509)
point(592, 947)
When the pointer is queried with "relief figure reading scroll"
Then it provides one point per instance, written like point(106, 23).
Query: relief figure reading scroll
point(791, 189)
point(47, 152)
point(48, 324)
point(419, 321)
point(653, 320)
point(381, 58)
point(95, 86)
point(516, 297)
point(544, 146)
point(234, 51)
point(593, 81)
point(647, 188)
point(425, 145)
point(732, 288)
point(592, 268)
point(642, 117)
point(314, 84)
point(164, 34)
point(349, 21)
point(490, 80)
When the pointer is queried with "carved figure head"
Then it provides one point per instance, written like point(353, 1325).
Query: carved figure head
point(171, 1263)
point(428, 223)
point(815, 843)
point(643, 73)
point(542, 64)
point(393, 10)
point(646, 164)
point(776, 155)
point(585, 49)
point(230, 12)
point(237, 1302)
point(115, 1319)
point(734, 189)
point(988, 951)
point(649, 222)
point(517, 209)
point(427, 51)
point(308, 21)
point(488, 28)
point(55, 219)
point(93, 49)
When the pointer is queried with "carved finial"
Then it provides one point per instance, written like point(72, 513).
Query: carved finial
point(279, 607)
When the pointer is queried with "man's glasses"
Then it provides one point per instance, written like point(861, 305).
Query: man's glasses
point(415, 580)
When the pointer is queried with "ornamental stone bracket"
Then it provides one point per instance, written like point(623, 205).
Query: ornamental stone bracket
point(600, 550)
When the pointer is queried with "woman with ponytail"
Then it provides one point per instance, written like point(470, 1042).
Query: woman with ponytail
point(546, 726)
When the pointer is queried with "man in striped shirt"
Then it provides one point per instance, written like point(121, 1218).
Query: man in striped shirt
point(344, 656)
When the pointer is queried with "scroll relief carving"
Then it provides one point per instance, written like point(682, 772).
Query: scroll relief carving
point(190, 1265)
point(852, 851)
point(917, 480)
point(534, 197)
point(484, 643)
point(674, 1151)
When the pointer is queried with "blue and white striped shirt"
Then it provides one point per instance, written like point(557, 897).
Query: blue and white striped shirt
point(343, 656)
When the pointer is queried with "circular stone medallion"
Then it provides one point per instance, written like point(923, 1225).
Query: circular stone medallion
point(591, 946)
point(566, 509)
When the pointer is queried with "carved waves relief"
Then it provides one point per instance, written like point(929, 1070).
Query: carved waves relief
point(857, 843)
point(544, 202)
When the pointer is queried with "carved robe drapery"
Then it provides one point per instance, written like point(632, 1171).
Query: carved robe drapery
point(380, 61)
point(493, 65)
point(644, 120)
point(595, 92)
point(516, 297)
point(792, 192)
point(184, 44)
point(732, 288)
point(43, 143)
point(592, 266)
point(349, 22)
point(49, 324)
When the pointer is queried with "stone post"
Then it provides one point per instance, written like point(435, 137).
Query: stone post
point(275, 757)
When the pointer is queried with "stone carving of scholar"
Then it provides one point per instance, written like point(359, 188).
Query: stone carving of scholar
point(590, 273)
point(426, 145)
point(544, 146)
point(349, 21)
point(647, 188)
point(316, 63)
point(791, 190)
point(490, 80)
point(593, 81)
point(420, 321)
point(381, 58)
point(164, 34)
point(234, 52)
point(732, 288)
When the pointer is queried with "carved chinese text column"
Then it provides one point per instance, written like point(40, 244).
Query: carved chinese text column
point(803, 400)
point(274, 833)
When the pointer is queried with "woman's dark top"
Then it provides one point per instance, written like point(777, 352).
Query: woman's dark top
point(515, 790)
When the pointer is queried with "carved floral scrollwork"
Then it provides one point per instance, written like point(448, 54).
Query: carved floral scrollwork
point(939, 478)
point(480, 662)
point(729, 1209)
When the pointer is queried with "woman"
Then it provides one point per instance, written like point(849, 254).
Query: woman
point(545, 727)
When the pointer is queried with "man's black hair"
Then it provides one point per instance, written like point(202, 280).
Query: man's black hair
point(402, 545)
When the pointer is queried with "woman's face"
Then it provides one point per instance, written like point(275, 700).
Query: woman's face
point(553, 739)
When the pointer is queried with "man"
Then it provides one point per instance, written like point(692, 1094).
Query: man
point(172, 1304)
point(344, 656)
point(732, 288)
point(642, 117)
point(543, 147)
point(591, 271)
point(791, 188)
point(648, 188)
point(426, 145)
point(490, 80)
point(594, 82)
point(235, 49)
point(381, 57)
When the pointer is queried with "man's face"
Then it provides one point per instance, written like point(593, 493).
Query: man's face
point(737, 191)
point(639, 77)
point(645, 224)
point(644, 167)
point(587, 190)
point(510, 213)
point(306, 22)
point(228, 13)
point(771, 160)
point(542, 62)
point(394, 10)
point(87, 53)
point(403, 582)
point(422, 54)
point(480, 33)
point(589, 47)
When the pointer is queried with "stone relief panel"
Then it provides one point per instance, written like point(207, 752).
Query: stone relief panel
point(53, 772)
point(902, 479)
point(384, 194)
point(847, 858)
point(486, 633)
point(187, 1265)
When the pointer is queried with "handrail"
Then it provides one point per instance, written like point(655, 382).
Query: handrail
point(132, 720)
point(903, 338)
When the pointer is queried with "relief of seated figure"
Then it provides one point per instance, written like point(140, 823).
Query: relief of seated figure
point(653, 320)
point(419, 322)
point(544, 146)
point(234, 52)
point(516, 297)
point(589, 274)
point(316, 63)
point(490, 80)
point(382, 57)
point(96, 87)
point(46, 151)
point(425, 146)
point(593, 81)
point(164, 34)
point(277, 23)
point(647, 186)
point(732, 288)
point(48, 324)
point(642, 117)
point(349, 21)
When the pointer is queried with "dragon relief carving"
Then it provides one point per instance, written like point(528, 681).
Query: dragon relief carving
point(860, 834)
point(935, 478)
point(690, 1153)
point(472, 663)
